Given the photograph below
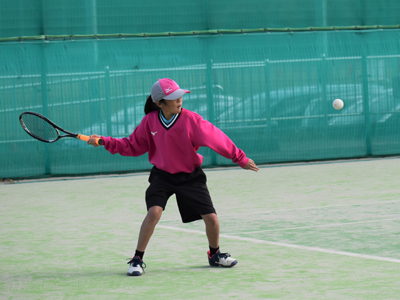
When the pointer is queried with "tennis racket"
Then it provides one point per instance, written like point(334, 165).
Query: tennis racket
point(42, 129)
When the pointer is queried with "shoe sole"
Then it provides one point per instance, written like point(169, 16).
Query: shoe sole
point(134, 274)
point(232, 265)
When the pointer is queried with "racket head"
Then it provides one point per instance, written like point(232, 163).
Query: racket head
point(39, 127)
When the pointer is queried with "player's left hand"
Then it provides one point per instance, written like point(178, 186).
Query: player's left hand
point(251, 166)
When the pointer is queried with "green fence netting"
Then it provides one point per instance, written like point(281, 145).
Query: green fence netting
point(271, 93)
point(76, 17)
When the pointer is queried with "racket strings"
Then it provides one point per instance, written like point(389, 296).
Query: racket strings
point(40, 128)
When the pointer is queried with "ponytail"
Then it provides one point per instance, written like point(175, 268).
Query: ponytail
point(151, 106)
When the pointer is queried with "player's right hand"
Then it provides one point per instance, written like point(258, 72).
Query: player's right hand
point(92, 140)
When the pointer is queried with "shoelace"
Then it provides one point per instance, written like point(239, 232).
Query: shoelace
point(224, 255)
point(137, 262)
point(221, 255)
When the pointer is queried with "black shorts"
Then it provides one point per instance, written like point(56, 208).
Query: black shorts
point(191, 192)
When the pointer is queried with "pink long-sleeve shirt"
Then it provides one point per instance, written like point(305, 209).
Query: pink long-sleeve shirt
point(173, 147)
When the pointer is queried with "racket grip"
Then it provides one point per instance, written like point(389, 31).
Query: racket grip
point(86, 138)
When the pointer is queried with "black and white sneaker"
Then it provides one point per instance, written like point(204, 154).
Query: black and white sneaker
point(136, 267)
point(221, 259)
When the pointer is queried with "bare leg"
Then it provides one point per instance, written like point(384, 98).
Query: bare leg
point(148, 225)
point(212, 229)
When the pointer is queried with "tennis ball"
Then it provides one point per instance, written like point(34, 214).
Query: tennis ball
point(338, 104)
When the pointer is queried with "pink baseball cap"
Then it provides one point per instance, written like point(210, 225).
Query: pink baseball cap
point(166, 89)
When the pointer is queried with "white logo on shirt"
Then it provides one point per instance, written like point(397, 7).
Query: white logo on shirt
point(167, 90)
point(153, 133)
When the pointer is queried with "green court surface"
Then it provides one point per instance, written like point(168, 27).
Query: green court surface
point(327, 230)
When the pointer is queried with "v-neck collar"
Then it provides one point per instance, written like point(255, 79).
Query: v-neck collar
point(171, 122)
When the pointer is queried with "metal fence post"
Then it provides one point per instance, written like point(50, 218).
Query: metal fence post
point(210, 92)
point(43, 85)
point(268, 105)
point(366, 101)
point(108, 99)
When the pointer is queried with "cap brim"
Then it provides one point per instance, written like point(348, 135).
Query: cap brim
point(176, 95)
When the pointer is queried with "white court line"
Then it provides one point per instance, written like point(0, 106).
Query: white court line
point(324, 225)
point(315, 207)
point(291, 209)
point(316, 249)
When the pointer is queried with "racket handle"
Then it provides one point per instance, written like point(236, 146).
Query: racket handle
point(86, 138)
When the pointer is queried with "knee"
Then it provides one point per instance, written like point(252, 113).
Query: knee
point(154, 214)
point(211, 220)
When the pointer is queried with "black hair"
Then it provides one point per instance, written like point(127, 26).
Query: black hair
point(151, 106)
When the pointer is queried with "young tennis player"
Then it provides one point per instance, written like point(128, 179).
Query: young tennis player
point(171, 136)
